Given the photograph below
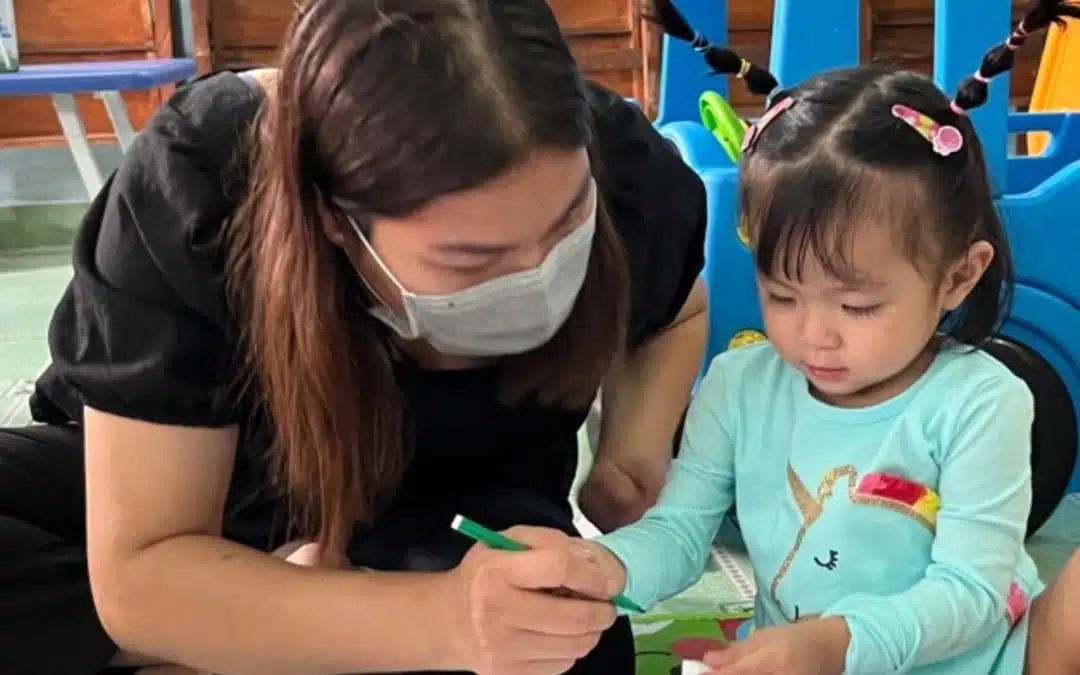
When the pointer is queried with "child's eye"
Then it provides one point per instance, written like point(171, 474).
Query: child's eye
point(862, 310)
point(780, 299)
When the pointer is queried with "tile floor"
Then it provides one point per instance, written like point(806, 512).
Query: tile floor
point(30, 284)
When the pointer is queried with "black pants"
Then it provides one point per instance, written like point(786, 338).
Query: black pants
point(48, 624)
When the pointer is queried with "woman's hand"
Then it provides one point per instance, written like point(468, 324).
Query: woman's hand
point(811, 647)
point(531, 612)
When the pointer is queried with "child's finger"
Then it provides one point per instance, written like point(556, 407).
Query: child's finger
point(758, 662)
point(723, 658)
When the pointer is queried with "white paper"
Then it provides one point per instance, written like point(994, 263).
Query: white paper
point(693, 668)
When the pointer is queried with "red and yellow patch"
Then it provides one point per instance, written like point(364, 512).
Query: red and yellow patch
point(901, 495)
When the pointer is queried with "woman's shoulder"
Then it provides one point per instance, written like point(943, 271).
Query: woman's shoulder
point(143, 329)
point(185, 172)
point(204, 123)
point(176, 188)
point(212, 111)
point(630, 149)
point(657, 204)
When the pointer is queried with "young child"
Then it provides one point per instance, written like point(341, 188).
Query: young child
point(879, 460)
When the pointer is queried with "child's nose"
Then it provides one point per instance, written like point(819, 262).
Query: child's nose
point(817, 333)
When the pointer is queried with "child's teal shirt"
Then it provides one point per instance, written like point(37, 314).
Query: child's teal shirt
point(907, 518)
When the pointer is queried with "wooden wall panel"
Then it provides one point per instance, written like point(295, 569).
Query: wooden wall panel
point(615, 46)
point(52, 31)
point(594, 17)
point(900, 34)
point(608, 38)
point(246, 33)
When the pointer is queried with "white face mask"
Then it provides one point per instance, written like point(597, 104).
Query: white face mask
point(511, 314)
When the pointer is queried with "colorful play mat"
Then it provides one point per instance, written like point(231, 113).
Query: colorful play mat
point(703, 617)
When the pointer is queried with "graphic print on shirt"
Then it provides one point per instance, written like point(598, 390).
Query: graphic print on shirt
point(816, 551)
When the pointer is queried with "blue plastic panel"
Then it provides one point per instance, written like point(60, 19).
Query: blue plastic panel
point(812, 37)
point(73, 78)
point(683, 73)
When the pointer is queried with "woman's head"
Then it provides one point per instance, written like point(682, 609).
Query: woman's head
point(468, 166)
point(492, 271)
point(416, 158)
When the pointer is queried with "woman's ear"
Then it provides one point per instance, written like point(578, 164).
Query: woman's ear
point(337, 238)
point(338, 227)
point(965, 273)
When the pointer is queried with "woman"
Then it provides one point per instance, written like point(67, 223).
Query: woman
point(348, 299)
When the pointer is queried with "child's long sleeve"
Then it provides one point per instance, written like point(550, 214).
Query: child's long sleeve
point(985, 491)
point(666, 551)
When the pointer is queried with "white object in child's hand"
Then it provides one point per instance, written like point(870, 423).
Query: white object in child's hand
point(694, 668)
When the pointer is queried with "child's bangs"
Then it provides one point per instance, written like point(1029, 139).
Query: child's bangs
point(812, 211)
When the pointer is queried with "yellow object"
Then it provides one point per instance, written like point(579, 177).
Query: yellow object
point(742, 231)
point(745, 337)
point(1057, 85)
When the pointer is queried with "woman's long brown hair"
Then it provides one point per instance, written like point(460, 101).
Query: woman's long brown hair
point(379, 108)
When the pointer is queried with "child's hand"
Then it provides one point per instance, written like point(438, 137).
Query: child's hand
point(813, 647)
point(610, 566)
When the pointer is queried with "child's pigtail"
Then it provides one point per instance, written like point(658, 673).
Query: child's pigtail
point(973, 91)
point(722, 60)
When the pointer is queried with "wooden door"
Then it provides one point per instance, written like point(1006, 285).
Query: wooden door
point(55, 31)
point(610, 41)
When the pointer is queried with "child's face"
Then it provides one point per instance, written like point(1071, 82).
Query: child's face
point(858, 344)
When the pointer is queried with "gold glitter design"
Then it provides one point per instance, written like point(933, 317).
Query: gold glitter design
point(811, 506)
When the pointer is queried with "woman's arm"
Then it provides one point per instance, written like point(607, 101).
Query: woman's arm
point(167, 584)
point(659, 206)
point(643, 403)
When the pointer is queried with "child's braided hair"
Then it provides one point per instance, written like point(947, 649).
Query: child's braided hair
point(973, 90)
point(722, 60)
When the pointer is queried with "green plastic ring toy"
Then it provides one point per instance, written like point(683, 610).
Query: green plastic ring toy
point(725, 125)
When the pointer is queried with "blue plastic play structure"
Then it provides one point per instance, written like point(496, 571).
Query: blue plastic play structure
point(1037, 195)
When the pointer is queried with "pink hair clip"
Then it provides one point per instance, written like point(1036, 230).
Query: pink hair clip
point(753, 132)
point(945, 138)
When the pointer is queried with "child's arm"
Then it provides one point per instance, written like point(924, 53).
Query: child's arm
point(666, 550)
point(985, 491)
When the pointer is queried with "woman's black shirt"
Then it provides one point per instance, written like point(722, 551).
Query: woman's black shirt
point(144, 330)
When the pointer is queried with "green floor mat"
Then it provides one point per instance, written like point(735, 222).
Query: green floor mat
point(30, 284)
